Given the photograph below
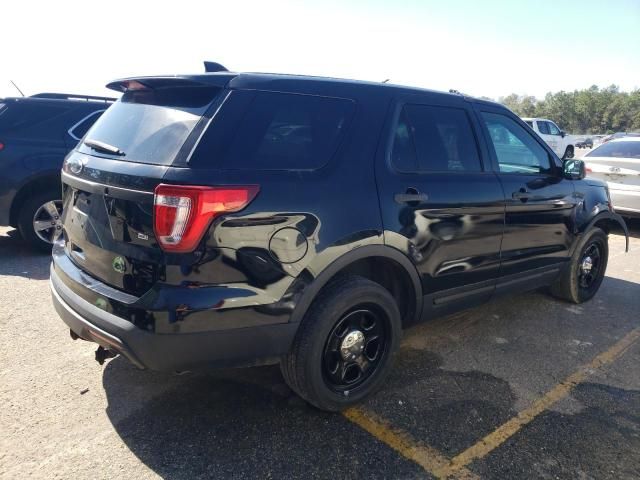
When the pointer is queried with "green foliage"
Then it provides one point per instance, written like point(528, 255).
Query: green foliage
point(592, 110)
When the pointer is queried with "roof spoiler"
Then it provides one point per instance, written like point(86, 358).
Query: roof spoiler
point(142, 83)
point(211, 67)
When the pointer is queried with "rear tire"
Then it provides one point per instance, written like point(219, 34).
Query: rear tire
point(583, 276)
point(41, 210)
point(568, 153)
point(344, 346)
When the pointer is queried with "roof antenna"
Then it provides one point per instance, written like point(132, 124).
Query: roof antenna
point(385, 81)
point(213, 67)
point(13, 83)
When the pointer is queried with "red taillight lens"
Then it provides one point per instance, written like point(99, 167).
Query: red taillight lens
point(182, 214)
point(1, 145)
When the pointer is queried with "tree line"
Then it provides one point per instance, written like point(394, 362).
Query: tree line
point(590, 111)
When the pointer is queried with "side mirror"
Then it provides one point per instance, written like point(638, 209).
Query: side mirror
point(574, 169)
point(562, 133)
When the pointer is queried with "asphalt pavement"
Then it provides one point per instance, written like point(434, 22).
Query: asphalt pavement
point(523, 387)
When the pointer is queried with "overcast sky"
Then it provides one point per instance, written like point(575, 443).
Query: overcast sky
point(482, 47)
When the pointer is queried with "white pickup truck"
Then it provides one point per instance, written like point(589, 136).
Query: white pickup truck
point(564, 145)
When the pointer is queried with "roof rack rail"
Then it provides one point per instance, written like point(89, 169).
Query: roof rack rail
point(71, 96)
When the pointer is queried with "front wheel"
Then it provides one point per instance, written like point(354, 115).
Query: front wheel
point(584, 274)
point(344, 345)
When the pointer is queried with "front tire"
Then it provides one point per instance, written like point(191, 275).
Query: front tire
point(345, 344)
point(583, 276)
point(39, 219)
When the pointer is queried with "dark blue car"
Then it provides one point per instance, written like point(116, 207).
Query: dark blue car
point(35, 135)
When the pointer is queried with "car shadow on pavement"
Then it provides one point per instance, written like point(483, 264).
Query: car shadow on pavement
point(241, 424)
point(246, 423)
point(18, 259)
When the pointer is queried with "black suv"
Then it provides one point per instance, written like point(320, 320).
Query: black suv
point(35, 135)
point(243, 219)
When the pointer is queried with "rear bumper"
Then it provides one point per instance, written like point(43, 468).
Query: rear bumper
point(626, 202)
point(170, 352)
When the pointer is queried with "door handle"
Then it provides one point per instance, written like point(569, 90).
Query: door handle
point(412, 195)
point(523, 196)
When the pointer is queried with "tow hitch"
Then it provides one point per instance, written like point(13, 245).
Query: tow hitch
point(103, 354)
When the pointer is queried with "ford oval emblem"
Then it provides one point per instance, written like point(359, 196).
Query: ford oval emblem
point(75, 165)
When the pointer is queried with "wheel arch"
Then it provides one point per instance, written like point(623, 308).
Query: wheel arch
point(44, 181)
point(382, 264)
point(607, 221)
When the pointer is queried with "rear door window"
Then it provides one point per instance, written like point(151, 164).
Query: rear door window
point(152, 124)
point(281, 131)
point(26, 114)
point(434, 139)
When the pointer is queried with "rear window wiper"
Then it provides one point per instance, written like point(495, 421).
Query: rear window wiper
point(103, 147)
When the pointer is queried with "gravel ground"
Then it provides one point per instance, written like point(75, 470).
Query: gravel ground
point(456, 380)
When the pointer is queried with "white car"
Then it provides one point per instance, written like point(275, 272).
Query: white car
point(618, 163)
point(558, 140)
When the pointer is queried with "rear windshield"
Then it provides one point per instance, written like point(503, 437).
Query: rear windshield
point(275, 131)
point(150, 125)
point(617, 149)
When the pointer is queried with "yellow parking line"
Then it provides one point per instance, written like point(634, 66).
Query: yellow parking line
point(508, 429)
point(427, 457)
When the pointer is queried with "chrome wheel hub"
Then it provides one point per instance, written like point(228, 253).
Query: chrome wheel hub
point(586, 265)
point(47, 221)
point(352, 345)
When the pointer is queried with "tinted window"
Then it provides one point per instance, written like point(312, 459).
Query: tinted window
point(618, 149)
point(516, 149)
point(530, 123)
point(434, 139)
point(287, 131)
point(553, 129)
point(84, 125)
point(543, 127)
point(19, 115)
point(151, 125)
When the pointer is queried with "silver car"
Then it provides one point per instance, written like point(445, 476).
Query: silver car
point(618, 163)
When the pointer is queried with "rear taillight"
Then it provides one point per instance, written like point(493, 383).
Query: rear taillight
point(1, 145)
point(182, 214)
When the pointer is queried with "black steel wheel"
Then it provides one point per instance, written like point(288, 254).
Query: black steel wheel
point(355, 348)
point(589, 265)
point(584, 274)
point(345, 343)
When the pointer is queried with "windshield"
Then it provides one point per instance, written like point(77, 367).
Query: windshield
point(150, 125)
point(617, 149)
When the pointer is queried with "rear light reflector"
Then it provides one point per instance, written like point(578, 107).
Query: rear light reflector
point(182, 214)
